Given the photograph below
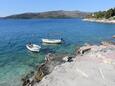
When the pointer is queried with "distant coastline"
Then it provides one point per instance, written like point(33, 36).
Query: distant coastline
point(99, 20)
point(107, 16)
point(49, 14)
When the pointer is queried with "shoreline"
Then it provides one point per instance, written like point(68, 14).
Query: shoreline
point(44, 69)
point(99, 20)
point(93, 65)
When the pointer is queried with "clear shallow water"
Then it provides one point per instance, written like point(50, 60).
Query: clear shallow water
point(16, 60)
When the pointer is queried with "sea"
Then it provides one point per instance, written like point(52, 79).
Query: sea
point(16, 61)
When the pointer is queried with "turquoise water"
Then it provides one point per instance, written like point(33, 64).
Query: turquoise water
point(16, 60)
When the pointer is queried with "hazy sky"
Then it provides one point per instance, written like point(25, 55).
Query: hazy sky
point(8, 7)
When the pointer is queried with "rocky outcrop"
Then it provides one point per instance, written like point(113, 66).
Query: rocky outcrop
point(93, 68)
point(51, 60)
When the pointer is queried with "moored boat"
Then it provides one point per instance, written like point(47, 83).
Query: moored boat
point(52, 41)
point(33, 47)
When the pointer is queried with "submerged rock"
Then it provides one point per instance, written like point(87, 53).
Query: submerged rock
point(39, 75)
point(26, 80)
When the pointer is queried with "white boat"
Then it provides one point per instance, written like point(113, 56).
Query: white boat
point(52, 41)
point(33, 47)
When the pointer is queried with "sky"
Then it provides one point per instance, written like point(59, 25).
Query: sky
point(9, 7)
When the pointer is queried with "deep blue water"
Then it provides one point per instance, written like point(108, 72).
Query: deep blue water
point(16, 60)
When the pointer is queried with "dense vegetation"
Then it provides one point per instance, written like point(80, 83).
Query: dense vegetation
point(49, 14)
point(109, 14)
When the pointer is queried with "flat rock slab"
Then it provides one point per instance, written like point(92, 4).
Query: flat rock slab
point(96, 68)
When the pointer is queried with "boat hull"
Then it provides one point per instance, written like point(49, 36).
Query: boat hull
point(35, 48)
point(52, 41)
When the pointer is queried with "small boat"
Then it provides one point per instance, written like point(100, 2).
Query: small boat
point(52, 41)
point(33, 47)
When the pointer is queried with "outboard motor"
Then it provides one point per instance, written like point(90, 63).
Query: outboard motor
point(62, 40)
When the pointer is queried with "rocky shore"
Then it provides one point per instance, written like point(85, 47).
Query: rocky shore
point(51, 61)
point(93, 65)
point(100, 20)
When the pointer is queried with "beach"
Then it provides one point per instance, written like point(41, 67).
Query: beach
point(94, 67)
point(100, 20)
